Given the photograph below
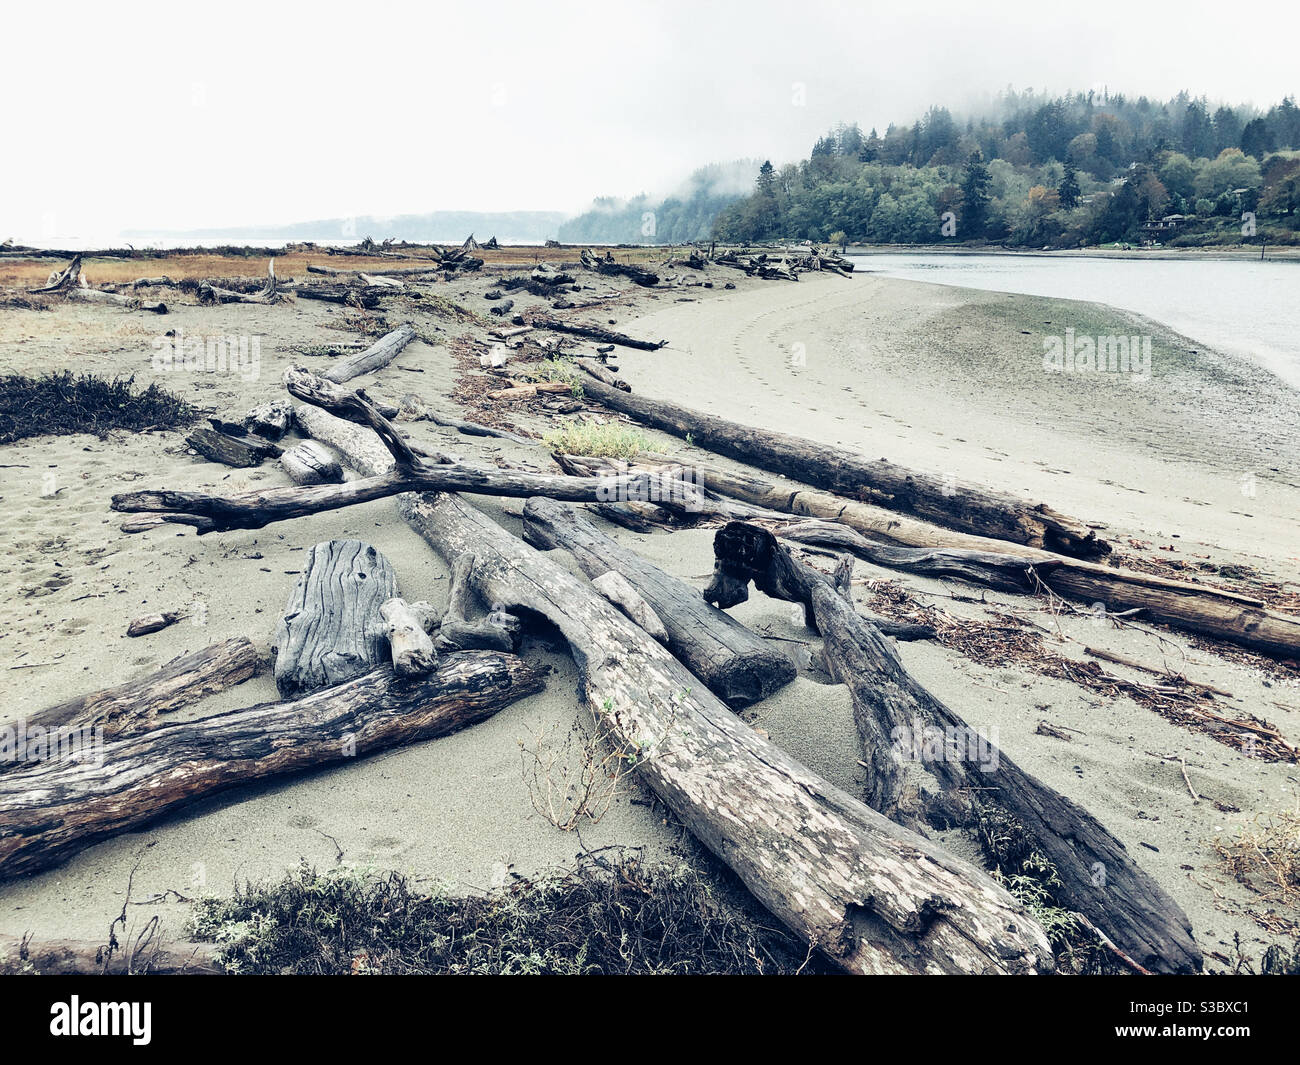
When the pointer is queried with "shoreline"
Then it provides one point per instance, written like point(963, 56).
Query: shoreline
point(932, 377)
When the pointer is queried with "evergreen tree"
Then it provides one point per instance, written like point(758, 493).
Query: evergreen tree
point(1068, 191)
point(975, 197)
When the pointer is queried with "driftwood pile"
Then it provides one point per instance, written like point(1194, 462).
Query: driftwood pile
point(662, 667)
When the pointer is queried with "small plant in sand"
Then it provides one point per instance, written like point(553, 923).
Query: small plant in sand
point(576, 779)
point(598, 439)
point(1265, 856)
point(558, 369)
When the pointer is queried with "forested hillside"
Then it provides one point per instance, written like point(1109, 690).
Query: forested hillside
point(1056, 172)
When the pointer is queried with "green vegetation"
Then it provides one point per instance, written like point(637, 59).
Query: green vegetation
point(1058, 172)
point(605, 917)
point(61, 403)
point(598, 439)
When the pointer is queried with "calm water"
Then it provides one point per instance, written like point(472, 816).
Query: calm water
point(1244, 308)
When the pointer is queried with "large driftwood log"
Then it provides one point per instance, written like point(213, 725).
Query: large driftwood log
point(135, 705)
point(332, 629)
point(970, 779)
point(237, 449)
point(875, 897)
point(52, 810)
point(1224, 615)
point(738, 666)
point(376, 357)
point(967, 508)
point(932, 551)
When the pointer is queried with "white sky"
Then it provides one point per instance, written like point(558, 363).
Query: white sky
point(174, 115)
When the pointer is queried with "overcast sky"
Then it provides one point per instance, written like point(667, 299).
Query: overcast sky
point(175, 115)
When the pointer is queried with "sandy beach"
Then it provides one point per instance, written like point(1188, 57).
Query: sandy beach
point(1194, 466)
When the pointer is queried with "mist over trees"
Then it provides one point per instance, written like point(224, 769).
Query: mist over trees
point(686, 215)
point(1040, 171)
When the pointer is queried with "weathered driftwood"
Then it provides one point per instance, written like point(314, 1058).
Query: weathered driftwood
point(530, 389)
point(254, 510)
point(311, 462)
point(331, 629)
point(409, 644)
point(50, 811)
point(116, 299)
point(619, 591)
point(135, 705)
point(873, 896)
point(1223, 615)
point(365, 296)
point(603, 372)
point(270, 292)
point(376, 357)
point(932, 551)
point(499, 630)
point(396, 271)
point(963, 778)
point(593, 332)
point(967, 508)
point(860, 888)
point(143, 953)
point(270, 420)
point(237, 449)
point(737, 665)
point(412, 408)
point(62, 280)
point(608, 266)
point(147, 623)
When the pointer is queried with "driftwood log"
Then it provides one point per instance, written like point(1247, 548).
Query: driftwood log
point(270, 292)
point(408, 640)
point(237, 448)
point(1223, 615)
point(919, 547)
point(134, 706)
point(737, 665)
point(376, 357)
point(311, 462)
point(254, 510)
point(499, 631)
point(970, 781)
point(967, 508)
point(52, 810)
point(145, 952)
point(593, 332)
point(332, 629)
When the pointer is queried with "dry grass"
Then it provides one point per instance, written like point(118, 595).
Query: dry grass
point(1008, 640)
point(1265, 856)
point(31, 273)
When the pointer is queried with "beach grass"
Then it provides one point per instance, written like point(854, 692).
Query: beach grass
point(609, 916)
point(598, 439)
point(63, 403)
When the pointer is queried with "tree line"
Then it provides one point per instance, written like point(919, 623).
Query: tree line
point(1058, 172)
